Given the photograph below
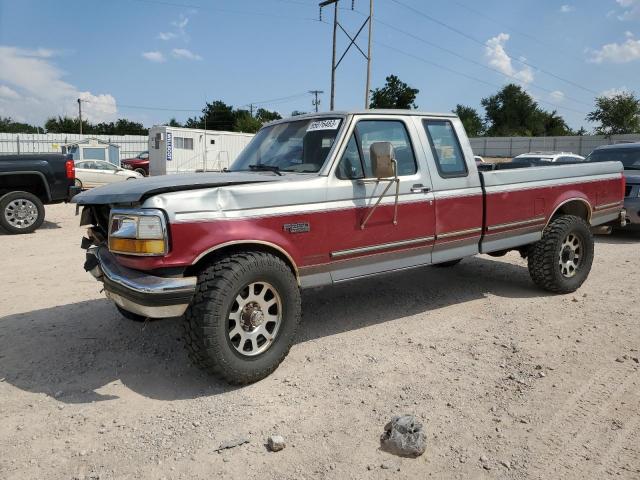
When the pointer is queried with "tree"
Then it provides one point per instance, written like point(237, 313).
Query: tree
point(617, 115)
point(581, 132)
point(65, 125)
point(394, 94)
point(265, 116)
point(296, 113)
point(7, 125)
point(473, 124)
point(173, 123)
point(554, 124)
point(513, 112)
point(245, 122)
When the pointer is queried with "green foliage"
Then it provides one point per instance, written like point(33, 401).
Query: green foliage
point(473, 124)
point(7, 125)
point(394, 94)
point(72, 125)
point(617, 115)
point(220, 116)
point(265, 116)
point(297, 113)
point(245, 122)
point(513, 112)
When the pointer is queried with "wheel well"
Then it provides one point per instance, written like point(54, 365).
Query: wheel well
point(25, 182)
point(577, 207)
point(231, 249)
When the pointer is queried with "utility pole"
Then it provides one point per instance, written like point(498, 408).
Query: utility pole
point(366, 90)
point(251, 108)
point(334, 65)
point(316, 101)
point(80, 114)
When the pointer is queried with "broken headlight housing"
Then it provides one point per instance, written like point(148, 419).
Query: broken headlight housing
point(138, 232)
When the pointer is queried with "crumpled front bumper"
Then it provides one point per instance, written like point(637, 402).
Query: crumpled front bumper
point(139, 292)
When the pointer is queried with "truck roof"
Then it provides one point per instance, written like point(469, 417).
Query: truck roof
point(373, 111)
point(615, 146)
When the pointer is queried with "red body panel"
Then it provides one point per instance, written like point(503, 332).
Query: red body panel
point(520, 205)
point(335, 230)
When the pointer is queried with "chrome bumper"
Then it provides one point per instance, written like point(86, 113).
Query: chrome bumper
point(139, 292)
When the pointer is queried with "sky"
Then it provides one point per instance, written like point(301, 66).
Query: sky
point(151, 60)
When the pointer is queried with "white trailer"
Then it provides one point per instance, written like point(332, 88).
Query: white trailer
point(184, 150)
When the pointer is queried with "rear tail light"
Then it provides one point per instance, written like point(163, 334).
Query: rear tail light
point(70, 167)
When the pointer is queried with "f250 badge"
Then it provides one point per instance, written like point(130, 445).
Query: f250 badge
point(300, 227)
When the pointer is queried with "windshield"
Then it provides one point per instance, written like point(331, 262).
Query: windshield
point(630, 157)
point(297, 146)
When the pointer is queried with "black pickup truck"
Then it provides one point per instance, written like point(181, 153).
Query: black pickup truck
point(27, 183)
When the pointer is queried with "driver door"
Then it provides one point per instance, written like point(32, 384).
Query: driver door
point(363, 239)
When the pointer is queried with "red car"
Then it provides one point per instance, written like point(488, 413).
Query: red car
point(138, 164)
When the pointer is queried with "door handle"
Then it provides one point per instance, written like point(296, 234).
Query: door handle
point(419, 188)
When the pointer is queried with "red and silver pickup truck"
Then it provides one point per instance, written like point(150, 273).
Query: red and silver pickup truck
point(322, 199)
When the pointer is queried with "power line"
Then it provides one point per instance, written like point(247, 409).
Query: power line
point(475, 62)
point(480, 42)
point(224, 10)
point(513, 30)
point(476, 79)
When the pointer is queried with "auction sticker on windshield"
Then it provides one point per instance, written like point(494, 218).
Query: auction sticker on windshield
point(332, 124)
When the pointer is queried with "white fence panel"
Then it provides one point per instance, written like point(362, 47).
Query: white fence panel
point(12, 143)
point(512, 146)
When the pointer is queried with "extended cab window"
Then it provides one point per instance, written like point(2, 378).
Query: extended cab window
point(356, 161)
point(445, 148)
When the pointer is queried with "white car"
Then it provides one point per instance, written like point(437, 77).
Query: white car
point(551, 157)
point(93, 173)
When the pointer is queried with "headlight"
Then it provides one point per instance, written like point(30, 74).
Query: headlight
point(138, 232)
point(127, 166)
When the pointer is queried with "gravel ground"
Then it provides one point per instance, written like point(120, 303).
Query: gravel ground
point(508, 381)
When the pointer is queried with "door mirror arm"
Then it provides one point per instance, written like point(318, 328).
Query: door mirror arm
point(385, 169)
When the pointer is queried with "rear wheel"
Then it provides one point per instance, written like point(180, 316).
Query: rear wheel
point(561, 261)
point(244, 317)
point(21, 212)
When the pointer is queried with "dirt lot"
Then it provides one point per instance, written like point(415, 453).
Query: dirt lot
point(539, 386)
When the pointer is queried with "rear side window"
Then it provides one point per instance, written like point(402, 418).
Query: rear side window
point(445, 148)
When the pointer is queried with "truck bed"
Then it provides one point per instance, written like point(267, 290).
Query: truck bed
point(519, 202)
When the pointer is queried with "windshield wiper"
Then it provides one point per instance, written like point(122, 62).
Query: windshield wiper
point(266, 168)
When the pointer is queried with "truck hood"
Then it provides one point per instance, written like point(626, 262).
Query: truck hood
point(132, 191)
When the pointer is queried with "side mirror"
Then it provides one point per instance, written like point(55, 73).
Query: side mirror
point(383, 159)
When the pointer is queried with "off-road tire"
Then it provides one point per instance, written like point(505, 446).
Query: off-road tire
point(13, 196)
point(450, 263)
point(205, 321)
point(543, 258)
point(134, 317)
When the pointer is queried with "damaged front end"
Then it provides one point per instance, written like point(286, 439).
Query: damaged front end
point(135, 291)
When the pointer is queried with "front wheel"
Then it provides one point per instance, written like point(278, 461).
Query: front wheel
point(561, 261)
point(244, 317)
point(21, 212)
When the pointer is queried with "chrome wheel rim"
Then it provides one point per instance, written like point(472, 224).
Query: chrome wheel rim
point(254, 319)
point(21, 213)
point(570, 256)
